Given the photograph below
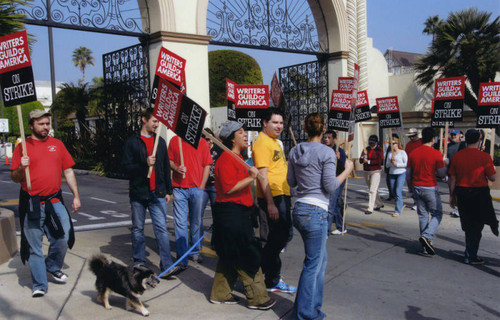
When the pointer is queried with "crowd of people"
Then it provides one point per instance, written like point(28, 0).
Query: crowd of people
point(314, 172)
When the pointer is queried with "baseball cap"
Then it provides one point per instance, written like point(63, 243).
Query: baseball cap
point(455, 131)
point(38, 113)
point(228, 128)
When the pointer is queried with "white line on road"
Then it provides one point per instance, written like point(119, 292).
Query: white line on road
point(98, 199)
point(89, 216)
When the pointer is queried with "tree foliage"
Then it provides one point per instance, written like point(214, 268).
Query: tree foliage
point(82, 57)
point(10, 21)
point(467, 43)
point(235, 65)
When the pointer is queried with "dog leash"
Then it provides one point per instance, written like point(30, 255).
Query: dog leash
point(183, 256)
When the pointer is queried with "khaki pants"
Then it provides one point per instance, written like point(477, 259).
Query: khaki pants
point(225, 279)
point(372, 179)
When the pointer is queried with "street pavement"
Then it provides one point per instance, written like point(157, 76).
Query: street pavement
point(373, 272)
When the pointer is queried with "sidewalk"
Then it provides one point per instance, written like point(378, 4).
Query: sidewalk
point(373, 272)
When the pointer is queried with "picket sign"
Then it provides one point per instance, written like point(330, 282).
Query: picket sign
point(23, 142)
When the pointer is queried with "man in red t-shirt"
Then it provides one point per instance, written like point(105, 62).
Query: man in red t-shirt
point(414, 143)
point(46, 158)
point(470, 170)
point(189, 181)
point(424, 164)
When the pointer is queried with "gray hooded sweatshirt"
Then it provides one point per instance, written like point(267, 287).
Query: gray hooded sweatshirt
point(311, 168)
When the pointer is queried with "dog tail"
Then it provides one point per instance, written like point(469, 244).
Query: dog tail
point(97, 262)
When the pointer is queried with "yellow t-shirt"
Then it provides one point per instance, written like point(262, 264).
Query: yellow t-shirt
point(267, 152)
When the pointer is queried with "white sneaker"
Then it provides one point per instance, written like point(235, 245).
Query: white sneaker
point(455, 213)
point(38, 293)
point(414, 208)
point(338, 232)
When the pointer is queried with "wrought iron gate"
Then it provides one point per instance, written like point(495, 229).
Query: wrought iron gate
point(305, 87)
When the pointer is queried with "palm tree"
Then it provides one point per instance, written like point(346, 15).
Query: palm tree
point(432, 24)
point(71, 99)
point(465, 44)
point(10, 21)
point(82, 57)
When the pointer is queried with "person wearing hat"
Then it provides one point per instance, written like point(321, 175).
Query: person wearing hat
point(372, 159)
point(454, 146)
point(46, 158)
point(469, 173)
point(237, 248)
point(413, 144)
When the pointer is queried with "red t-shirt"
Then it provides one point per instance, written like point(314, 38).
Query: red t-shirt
point(195, 161)
point(412, 145)
point(47, 161)
point(228, 172)
point(470, 166)
point(424, 162)
point(150, 143)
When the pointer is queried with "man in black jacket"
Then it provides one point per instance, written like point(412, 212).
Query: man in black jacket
point(151, 193)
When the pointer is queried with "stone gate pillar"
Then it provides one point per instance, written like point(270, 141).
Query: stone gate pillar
point(180, 26)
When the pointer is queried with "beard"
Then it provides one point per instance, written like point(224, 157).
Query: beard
point(40, 134)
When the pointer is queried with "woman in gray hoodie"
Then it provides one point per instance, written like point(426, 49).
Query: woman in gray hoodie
point(311, 169)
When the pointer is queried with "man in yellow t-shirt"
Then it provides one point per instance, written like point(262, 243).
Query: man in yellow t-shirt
point(273, 198)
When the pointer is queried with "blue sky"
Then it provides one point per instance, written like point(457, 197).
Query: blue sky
point(395, 24)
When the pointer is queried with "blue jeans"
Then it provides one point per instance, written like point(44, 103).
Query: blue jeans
point(158, 211)
point(311, 222)
point(187, 206)
point(336, 208)
point(34, 230)
point(208, 194)
point(396, 189)
point(428, 203)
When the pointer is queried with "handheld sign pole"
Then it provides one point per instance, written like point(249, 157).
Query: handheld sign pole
point(155, 147)
point(492, 144)
point(23, 142)
point(441, 140)
point(445, 142)
point(182, 156)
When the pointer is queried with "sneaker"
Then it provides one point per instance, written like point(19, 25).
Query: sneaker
point(59, 276)
point(282, 287)
point(414, 208)
point(38, 293)
point(475, 261)
point(172, 272)
point(338, 232)
point(264, 306)
point(455, 213)
point(232, 300)
point(427, 244)
point(198, 258)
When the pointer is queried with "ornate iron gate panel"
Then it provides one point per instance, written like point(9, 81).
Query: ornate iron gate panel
point(126, 91)
point(305, 87)
point(107, 16)
point(281, 25)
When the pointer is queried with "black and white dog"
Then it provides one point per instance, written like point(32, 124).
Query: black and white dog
point(130, 281)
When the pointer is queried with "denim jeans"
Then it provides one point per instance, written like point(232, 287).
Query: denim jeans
point(428, 203)
point(311, 222)
point(208, 194)
point(336, 208)
point(158, 211)
point(34, 230)
point(187, 207)
point(396, 189)
point(277, 238)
